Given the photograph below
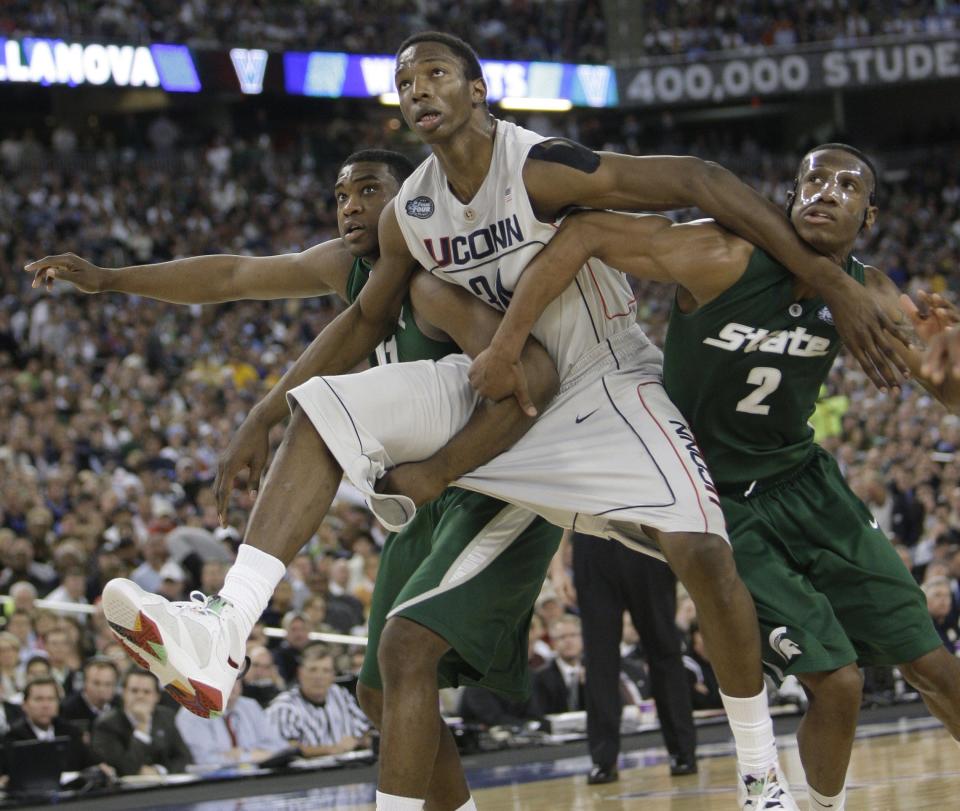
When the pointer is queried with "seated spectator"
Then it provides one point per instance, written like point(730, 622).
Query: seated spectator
point(42, 722)
point(281, 602)
point(63, 658)
point(20, 624)
point(10, 674)
point(287, 655)
point(36, 666)
point(149, 575)
point(262, 680)
point(558, 687)
point(72, 589)
point(940, 604)
point(22, 566)
point(24, 596)
point(243, 734)
point(317, 715)
point(139, 736)
point(98, 695)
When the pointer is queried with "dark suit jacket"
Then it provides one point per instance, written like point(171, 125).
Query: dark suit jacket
point(79, 755)
point(550, 692)
point(115, 743)
point(77, 711)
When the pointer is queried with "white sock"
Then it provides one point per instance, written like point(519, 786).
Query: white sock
point(469, 805)
point(250, 582)
point(391, 802)
point(753, 732)
point(820, 801)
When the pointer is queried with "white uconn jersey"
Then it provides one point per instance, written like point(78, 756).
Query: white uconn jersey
point(485, 245)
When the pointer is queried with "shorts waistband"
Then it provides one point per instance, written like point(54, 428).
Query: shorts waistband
point(748, 489)
point(616, 351)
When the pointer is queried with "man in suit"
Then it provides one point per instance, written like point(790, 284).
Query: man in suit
point(42, 722)
point(140, 737)
point(100, 677)
point(609, 578)
point(559, 686)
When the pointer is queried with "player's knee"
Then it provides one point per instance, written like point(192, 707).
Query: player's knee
point(933, 671)
point(846, 684)
point(371, 702)
point(408, 651)
point(696, 557)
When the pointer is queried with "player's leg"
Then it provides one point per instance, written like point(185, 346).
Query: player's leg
point(197, 654)
point(402, 556)
point(448, 788)
point(464, 614)
point(937, 676)
point(826, 733)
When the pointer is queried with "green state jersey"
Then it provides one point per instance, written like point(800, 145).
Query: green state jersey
point(746, 370)
point(408, 342)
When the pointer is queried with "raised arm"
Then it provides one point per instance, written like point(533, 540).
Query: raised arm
point(559, 174)
point(317, 271)
point(342, 344)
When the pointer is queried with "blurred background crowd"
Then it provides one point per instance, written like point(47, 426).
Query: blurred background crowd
point(113, 410)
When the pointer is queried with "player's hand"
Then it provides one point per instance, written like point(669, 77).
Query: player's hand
point(248, 450)
point(497, 377)
point(69, 267)
point(931, 314)
point(942, 357)
point(868, 331)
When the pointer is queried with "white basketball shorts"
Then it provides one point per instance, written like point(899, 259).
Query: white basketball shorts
point(611, 454)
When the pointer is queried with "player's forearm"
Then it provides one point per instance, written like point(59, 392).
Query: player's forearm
point(495, 427)
point(193, 280)
point(544, 279)
point(342, 344)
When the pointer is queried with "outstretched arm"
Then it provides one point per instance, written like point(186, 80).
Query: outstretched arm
point(317, 271)
point(342, 344)
point(556, 180)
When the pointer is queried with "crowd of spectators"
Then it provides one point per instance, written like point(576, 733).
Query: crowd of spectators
point(553, 30)
point(698, 26)
point(113, 411)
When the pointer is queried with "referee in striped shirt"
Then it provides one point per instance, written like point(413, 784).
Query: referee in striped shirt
point(318, 716)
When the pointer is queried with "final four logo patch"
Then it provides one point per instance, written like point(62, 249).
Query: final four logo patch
point(420, 207)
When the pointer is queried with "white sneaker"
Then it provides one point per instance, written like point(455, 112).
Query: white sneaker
point(765, 792)
point(194, 648)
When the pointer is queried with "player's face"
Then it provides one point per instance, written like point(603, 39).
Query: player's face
point(436, 98)
point(833, 199)
point(362, 190)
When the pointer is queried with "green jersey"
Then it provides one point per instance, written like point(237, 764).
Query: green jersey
point(746, 370)
point(408, 342)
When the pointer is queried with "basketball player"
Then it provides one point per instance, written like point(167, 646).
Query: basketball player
point(488, 640)
point(747, 350)
point(618, 474)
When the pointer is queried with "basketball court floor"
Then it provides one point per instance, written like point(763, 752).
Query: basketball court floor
point(904, 764)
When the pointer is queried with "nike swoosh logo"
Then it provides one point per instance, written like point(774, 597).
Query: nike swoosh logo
point(875, 525)
point(821, 805)
point(587, 416)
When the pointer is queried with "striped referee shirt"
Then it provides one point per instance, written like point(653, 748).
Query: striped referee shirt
point(302, 721)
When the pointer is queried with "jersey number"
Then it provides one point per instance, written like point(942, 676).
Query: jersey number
point(766, 379)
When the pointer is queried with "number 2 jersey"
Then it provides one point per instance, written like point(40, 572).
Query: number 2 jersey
point(746, 370)
point(484, 246)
